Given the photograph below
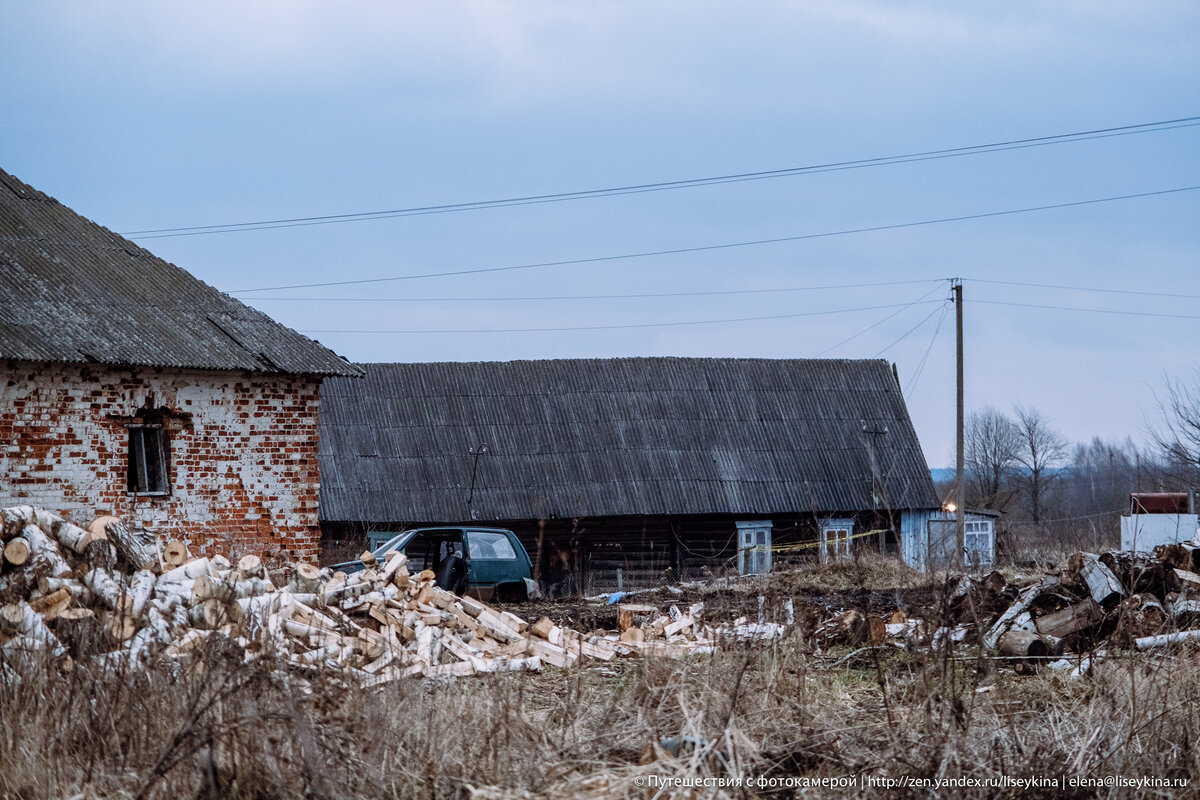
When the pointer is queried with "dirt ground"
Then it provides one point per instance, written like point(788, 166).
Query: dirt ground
point(817, 593)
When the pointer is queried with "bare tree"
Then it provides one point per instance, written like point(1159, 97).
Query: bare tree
point(1042, 449)
point(992, 447)
point(1178, 436)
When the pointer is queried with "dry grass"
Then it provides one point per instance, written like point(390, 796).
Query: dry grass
point(867, 569)
point(243, 731)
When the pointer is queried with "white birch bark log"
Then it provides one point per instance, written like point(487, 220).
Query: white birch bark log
point(44, 554)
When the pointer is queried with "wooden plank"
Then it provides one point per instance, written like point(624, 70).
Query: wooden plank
point(551, 654)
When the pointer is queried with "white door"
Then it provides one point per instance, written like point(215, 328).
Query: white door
point(754, 547)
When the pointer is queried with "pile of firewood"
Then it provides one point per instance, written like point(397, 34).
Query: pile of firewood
point(1125, 600)
point(108, 592)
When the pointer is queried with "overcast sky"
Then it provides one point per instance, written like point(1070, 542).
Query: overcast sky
point(148, 115)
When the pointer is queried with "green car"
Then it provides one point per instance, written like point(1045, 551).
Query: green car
point(487, 563)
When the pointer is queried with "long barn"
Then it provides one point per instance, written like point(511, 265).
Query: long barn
point(629, 471)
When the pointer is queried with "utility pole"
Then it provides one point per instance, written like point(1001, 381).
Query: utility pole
point(877, 487)
point(960, 514)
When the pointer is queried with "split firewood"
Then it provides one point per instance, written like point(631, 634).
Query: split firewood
point(469, 604)
point(633, 635)
point(546, 629)
point(394, 562)
point(425, 592)
point(551, 654)
point(376, 625)
point(678, 626)
point(49, 606)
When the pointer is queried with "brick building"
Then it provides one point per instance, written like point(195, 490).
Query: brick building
point(128, 387)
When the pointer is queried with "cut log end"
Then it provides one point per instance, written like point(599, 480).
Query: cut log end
point(175, 553)
point(1024, 644)
point(250, 566)
point(16, 552)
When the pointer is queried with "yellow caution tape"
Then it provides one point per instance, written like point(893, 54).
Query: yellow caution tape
point(785, 548)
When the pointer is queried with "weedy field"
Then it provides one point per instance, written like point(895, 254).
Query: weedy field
point(770, 715)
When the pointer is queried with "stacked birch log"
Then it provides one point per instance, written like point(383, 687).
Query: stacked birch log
point(106, 592)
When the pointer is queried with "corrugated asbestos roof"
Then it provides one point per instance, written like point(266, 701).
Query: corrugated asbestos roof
point(75, 291)
point(614, 437)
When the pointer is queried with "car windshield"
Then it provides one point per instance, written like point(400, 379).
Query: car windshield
point(395, 543)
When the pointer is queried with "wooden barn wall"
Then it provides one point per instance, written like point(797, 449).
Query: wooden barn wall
point(583, 556)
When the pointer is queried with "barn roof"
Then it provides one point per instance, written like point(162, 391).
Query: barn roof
point(614, 437)
point(75, 291)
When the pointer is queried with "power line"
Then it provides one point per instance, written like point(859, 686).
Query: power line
point(326, 219)
point(912, 383)
point(877, 324)
point(1064, 519)
point(725, 246)
point(910, 331)
point(1085, 289)
point(1090, 310)
point(624, 326)
point(715, 292)
point(901, 306)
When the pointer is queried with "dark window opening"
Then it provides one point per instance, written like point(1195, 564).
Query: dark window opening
point(149, 452)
